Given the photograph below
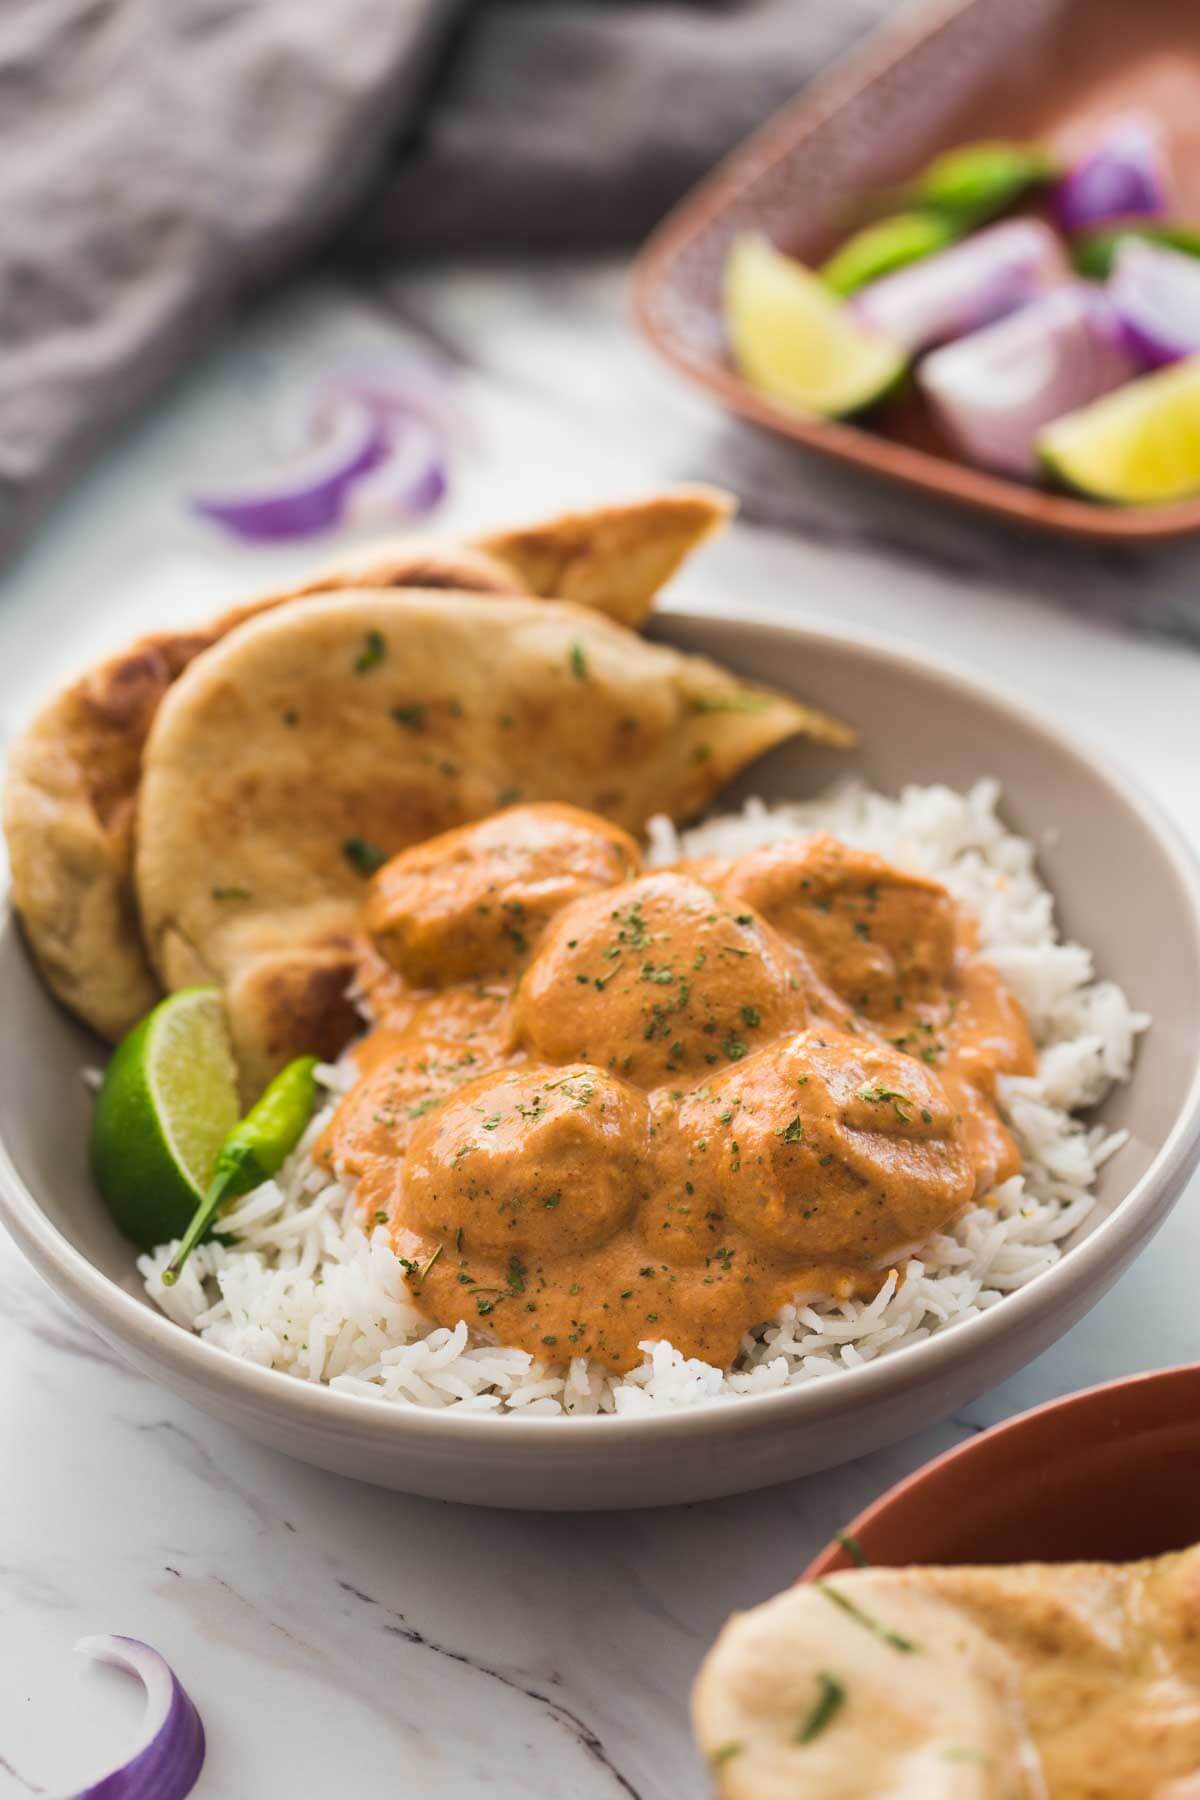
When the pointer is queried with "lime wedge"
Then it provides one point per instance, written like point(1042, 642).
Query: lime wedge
point(168, 1102)
point(1139, 444)
point(793, 340)
point(975, 182)
point(889, 244)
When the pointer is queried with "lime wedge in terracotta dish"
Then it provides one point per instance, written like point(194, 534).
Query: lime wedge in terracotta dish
point(793, 340)
point(979, 181)
point(888, 244)
point(168, 1102)
point(1136, 446)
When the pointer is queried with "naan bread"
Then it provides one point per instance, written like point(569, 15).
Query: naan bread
point(615, 558)
point(1019, 1682)
point(73, 774)
point(319, 739)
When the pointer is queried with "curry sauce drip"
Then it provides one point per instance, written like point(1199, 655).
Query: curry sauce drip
point(630, 1106)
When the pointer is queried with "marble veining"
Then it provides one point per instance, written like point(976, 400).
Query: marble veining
point(343, 1640)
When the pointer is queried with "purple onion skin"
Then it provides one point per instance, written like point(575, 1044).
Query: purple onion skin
point(1155, 292)
point(1148, 351)
point(1120, 179)
point(168, 1766)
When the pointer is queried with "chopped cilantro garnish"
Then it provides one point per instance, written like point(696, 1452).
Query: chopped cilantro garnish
point(829, 1702)
point(853, 1548)
point(372, 653)
point(881, 1631)
point(364, 857)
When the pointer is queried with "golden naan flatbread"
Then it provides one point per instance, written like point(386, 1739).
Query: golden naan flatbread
point(615, 558)
point(1007, 1683)
point(317, 740)
point(73, 774)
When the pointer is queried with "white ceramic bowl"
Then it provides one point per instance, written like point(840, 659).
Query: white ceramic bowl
point(1124, 885)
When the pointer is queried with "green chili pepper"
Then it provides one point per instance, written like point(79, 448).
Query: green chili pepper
point(253, 1151)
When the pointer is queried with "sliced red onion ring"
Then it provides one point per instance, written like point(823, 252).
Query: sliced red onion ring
point(168, 1765)
point(375, 446)
point(310, 497)
point(1156, 295)
point(993, 391)
point(1124, 177)
point(968, 286)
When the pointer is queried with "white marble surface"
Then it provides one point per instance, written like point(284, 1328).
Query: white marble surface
point(344, 1641)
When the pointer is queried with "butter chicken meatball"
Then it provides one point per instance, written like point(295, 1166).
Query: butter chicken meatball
point(886, 941)
point(827, 1147)
point(661, 980)
point(473, 902)
point(543, 1162)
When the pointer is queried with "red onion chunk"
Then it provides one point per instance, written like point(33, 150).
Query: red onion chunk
point(1124, 177)
point(993, 392)
point(310, 497)
point(1155, 293)
point(169, 1762)
point(959, 290)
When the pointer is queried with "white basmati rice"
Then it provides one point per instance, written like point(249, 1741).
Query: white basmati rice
point(306, 1290)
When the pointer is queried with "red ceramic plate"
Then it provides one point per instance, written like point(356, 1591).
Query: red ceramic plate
point(1111, 1474)
point(1050, 70)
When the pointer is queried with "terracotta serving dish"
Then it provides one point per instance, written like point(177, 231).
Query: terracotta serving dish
point(956, 71)
point(1113, 1474)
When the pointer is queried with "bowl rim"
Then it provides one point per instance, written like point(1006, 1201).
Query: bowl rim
point(833, 1558)
point(943, 477)
point(146, 1332)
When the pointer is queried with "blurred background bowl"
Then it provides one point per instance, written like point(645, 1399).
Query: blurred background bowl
point(952, 72)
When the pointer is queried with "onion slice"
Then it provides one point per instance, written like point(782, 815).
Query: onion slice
point(1095, 252)
point(311, 496)
point(1156, 295)
point(966, 287)
point(1123, 177)
point(169, 1762)
point(993, 392)
point(371, 446)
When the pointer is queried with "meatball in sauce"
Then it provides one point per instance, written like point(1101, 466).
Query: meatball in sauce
point(601, 1107)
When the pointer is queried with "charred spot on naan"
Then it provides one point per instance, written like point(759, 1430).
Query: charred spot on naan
point(291, 997)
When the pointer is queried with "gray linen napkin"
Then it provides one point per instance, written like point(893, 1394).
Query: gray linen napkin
point(163, 157)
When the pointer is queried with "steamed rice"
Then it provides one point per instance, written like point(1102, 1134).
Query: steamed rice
point(306, 1290)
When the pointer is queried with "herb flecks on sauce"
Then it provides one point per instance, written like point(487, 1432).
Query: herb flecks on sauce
point(702, 1125)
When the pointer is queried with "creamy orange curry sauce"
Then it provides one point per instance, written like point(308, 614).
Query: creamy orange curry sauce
point(601, 1105)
